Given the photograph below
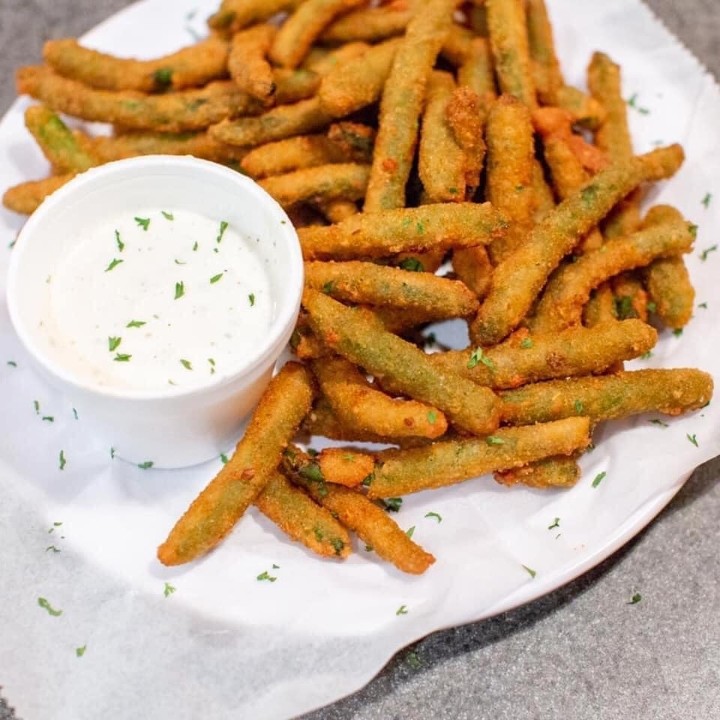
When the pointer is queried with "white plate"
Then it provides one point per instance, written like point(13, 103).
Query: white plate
point(234, 646)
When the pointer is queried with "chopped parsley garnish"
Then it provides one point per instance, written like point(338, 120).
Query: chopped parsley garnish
point(266, 576)
point(75, 413)
point(53, 548)
point(195, 246)
point(579, 407)
point(479, 357)
point(118, 240)
point(113, 264)
point(412, 264)
point(532, 573)
point(432, 417)
point(702, 305)
point(122, 357)
point(693, 230)
point(635, 599)
point(212, 365)
point(167, 215)
point(434, 515)
point(180, 262)
point(329, 287)
point(112, 453)
point(706, 200)
point(646, 355)
point(392, 504)
point(494, 440)
point(43, 603)
point(402, 610)
point(146, 465)
point(114, 343)
point(223, 227)
point(179, 290)
point(162, 78)
point(80, 651)
point(526, 343)
point(224, 458)
point(55, 525)
point(61, 460)
point(136, 323)
point(555, 523)
point(704, 254)
point(251, 299)
point(36, 405)
point(12, 363)
point(186, 364)
point(410, 531)
point(48, 418)
point(216, 278)
point(693, 439)
point(632, 102)
point(144, 223)
point(168, 590)
point(599, 478)
point(624, 307)
point(677, 332)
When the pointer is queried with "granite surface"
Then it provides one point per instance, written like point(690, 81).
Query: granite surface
point(583, 651)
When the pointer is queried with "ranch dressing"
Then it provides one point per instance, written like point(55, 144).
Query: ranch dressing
point(155, 300)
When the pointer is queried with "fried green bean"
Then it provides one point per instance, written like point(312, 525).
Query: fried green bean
point(300, 30)
point(465, 116)
point(585, 109)
point(569, 289)
point(26, 197)
point(381, 234)
point(441, 160)
point(402, 102)
point(609, 397)
point(360, 405)
point(234, 15)
point(323, 60)
point(213, 514)
point(547, 75)
point(337, 181)
point(507, 25)
point(302, 519)
point(371, 24)
point(509, 184)
point(531, 358)
point(446, 462)
point(171, 112)
point(336, 211)
point(281, 122)
point(360, 338)
point(473, 267)
point(371, 523)
point(518, 280)
point(358, 82)
point(248, 65)
point(366, 283)
point(552, 472)
point(600, 308)
point(477, 72)
point(192, 66)
point(58, 143)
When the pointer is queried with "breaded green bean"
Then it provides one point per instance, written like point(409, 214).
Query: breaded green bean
point(547, 75)
point(609, 397)
point(446, 462)
point(213, 514)
point(518, 280)
point(129, 144)
point(509, 184)
point(57, 142)
point(371, 24)
point(372, 524)
point(358, 82)
point(360, 405)
point(531, 358)
point(295, 153)
point(322, 60)
point(302, 519)
point(441, 160)
point(402, 102)
point(192, 66)
point(336, 211)
point(477, 72)
point(344, 466)
point(248, 65)
point(234, 15)
point(465, 114)
point(303, 27)
point(337, 181)
point(473, 267)
point(542, 192)
point(365, 283)
point(569, 289)
point(381, 234)
point(584, 108)
point(281, 122)
point(552, 472)
point(172, 112)
point(507, 25)
point(456, 47)
point(600, 308)
point(26, 197)
point(361, 339)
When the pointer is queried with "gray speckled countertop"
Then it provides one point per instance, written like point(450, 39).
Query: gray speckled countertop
point(582, 651)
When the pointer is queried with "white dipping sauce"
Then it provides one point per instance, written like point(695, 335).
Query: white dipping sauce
point(156, 300)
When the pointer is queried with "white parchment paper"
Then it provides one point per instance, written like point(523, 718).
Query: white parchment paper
point(132, 639)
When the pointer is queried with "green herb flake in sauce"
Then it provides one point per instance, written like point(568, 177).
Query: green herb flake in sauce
point(410, 531)
point(251, 299)
point(555, 523)
point(179, 290)
point(702, 305)
point(632, 102)
point(402, 610)
point(113, 264)
point(168, 590)
point(146, 465)
point(195, 246)
point(224, 458)
point(434, 515)
point(692, 439)
point(706, 200)
point(53, 548)
point(122, 357)
point(677, 332)
point(223, 227)
point(119, 242)
point(61, 460)
point(114, 343)
point(136, 323)
point(186, 364)
point(265, 575)
point(36, 405)
point(211, 361)
point(167, 215)
point(12, 363)
point(48, 418)
point(144, 223)
point(112, 453)
point(532, 573)
point(216, 278)
point(599, 478)
point(392, 504)
point(80, 651)
point(704, 254)
point(43, 603)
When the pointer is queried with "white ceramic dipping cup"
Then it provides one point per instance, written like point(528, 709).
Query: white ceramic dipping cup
point(168, 425)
